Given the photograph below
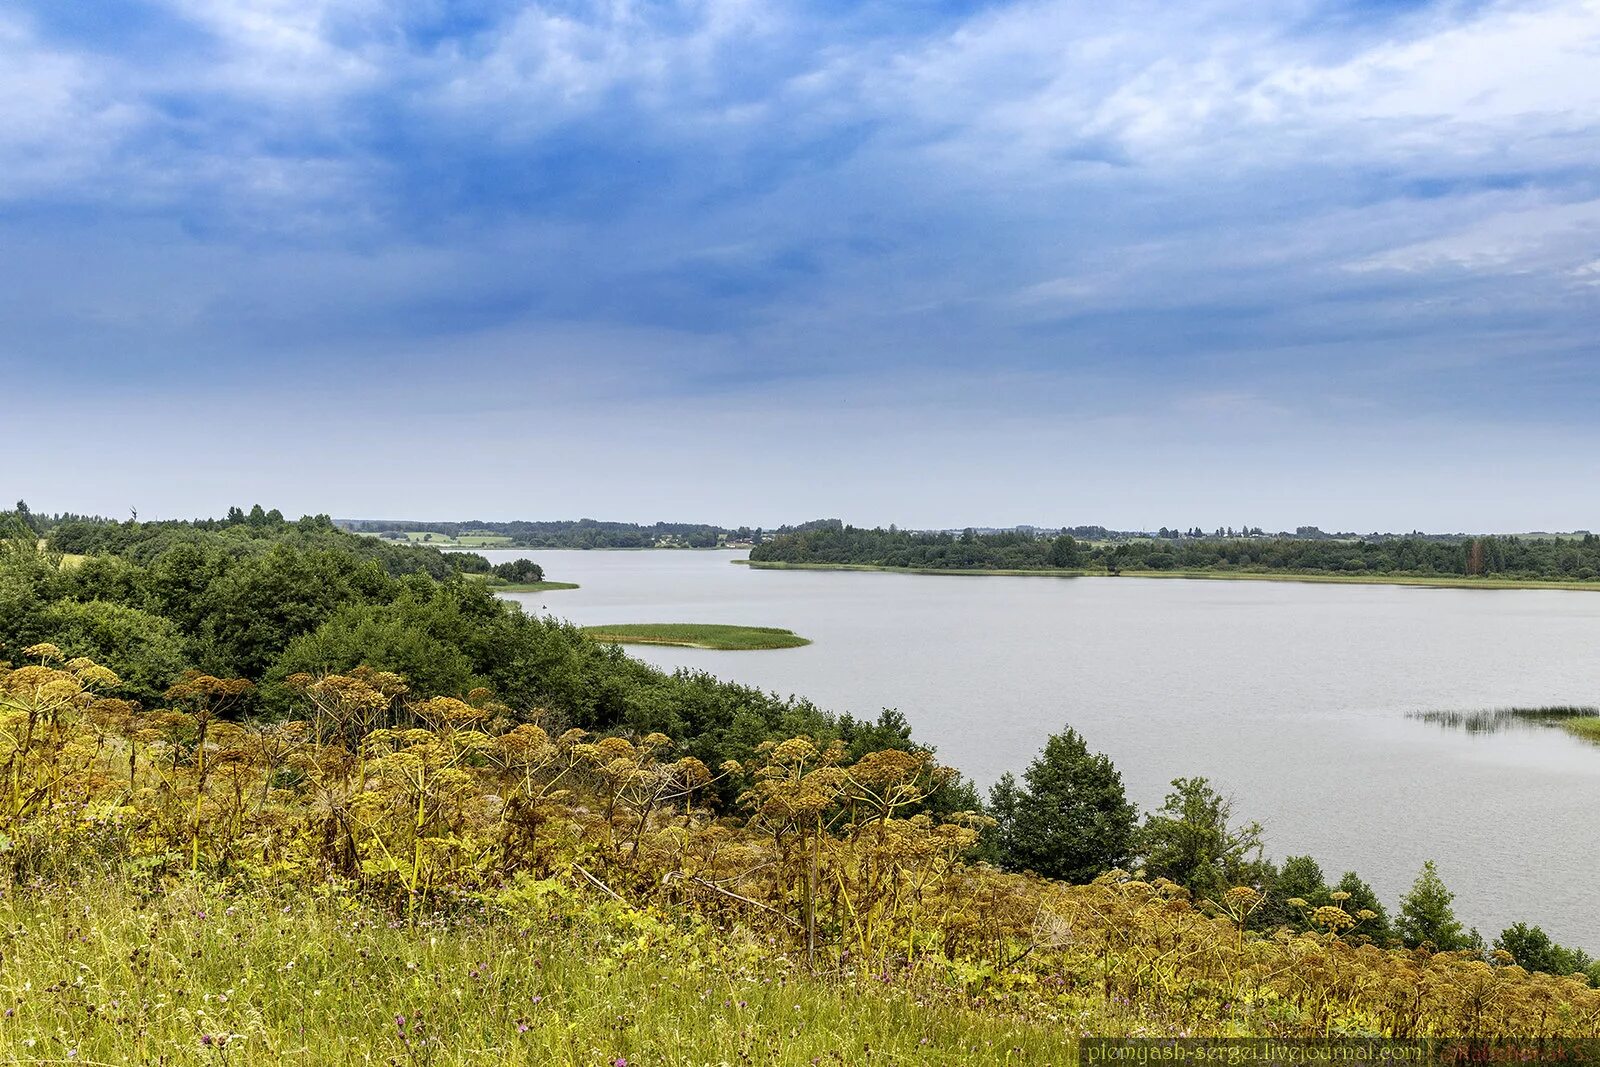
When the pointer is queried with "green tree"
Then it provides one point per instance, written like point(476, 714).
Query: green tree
point(1363, 898)
point(146, 651)
point(1191, 839)
point(1070, 818)
point(1300, 878)
point(1064, 552)
point(519, 571)
point(1426, 917)
point(29, 579)
point(403, 637)
point(1533, 950)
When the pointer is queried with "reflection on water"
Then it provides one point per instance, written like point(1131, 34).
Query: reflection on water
point(1498, 720)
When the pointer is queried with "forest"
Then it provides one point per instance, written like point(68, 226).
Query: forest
point(248, 764)
point(1574, 558)
point(579, 533)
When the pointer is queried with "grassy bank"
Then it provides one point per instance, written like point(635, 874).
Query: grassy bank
point(530, 587)
point(1587, 728)
point(1429, 581)
point(697, 635)
point(976, 571)
point(104, 974)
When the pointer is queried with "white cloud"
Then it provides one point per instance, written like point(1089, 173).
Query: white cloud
point(1544, 237)
point(288, 50)
point(1241, 88)
point(548, 64)
point(59, 120)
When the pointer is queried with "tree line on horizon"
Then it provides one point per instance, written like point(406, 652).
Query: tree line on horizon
point(1575, 558)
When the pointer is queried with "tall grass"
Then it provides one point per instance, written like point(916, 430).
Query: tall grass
point(104, 974)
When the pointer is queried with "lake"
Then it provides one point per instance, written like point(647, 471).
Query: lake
point(1292, 697)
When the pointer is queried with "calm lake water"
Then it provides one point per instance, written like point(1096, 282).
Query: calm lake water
point(1291, 697)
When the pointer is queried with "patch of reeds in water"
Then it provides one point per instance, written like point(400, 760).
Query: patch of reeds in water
point(1498, 720)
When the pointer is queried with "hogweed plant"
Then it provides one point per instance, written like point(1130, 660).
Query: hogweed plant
point(375, 821)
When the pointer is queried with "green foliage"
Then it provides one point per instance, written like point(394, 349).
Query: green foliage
point(1533, 950)
point(29, 580)
point(145, 650)
point(1193, 841)
point(408, 637)
point(261, 598)
point(251, 612)
point(1363, 898)
point(519, 571)
point(1069, 818)
point(1519, 558)
point(1300, 878)
point(1064, 553)
point(1426, 915)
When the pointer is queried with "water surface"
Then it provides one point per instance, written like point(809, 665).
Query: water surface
point(1293, 697)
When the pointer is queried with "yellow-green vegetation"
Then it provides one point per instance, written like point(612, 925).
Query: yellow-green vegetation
point(1443, 581)
point(383, 878)
point(697, 635)
point(541, 973)
point(500, 585)
point(64, 560)
point(1586, 727)
point(534, 587)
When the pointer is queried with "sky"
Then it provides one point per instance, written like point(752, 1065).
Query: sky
point(1331, 262)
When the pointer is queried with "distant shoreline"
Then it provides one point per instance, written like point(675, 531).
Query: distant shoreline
point(453, 547)
point(1432, 582)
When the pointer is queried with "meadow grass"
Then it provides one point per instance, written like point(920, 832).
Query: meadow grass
point(1440, 581)
point(697, 635)
point(103, 974)
point(485, 540)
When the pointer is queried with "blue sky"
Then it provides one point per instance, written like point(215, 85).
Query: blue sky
point(757, 261)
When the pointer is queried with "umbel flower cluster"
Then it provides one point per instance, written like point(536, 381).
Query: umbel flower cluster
point(420, 805)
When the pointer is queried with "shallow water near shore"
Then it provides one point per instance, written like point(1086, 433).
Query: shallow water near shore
point(1299, 700)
